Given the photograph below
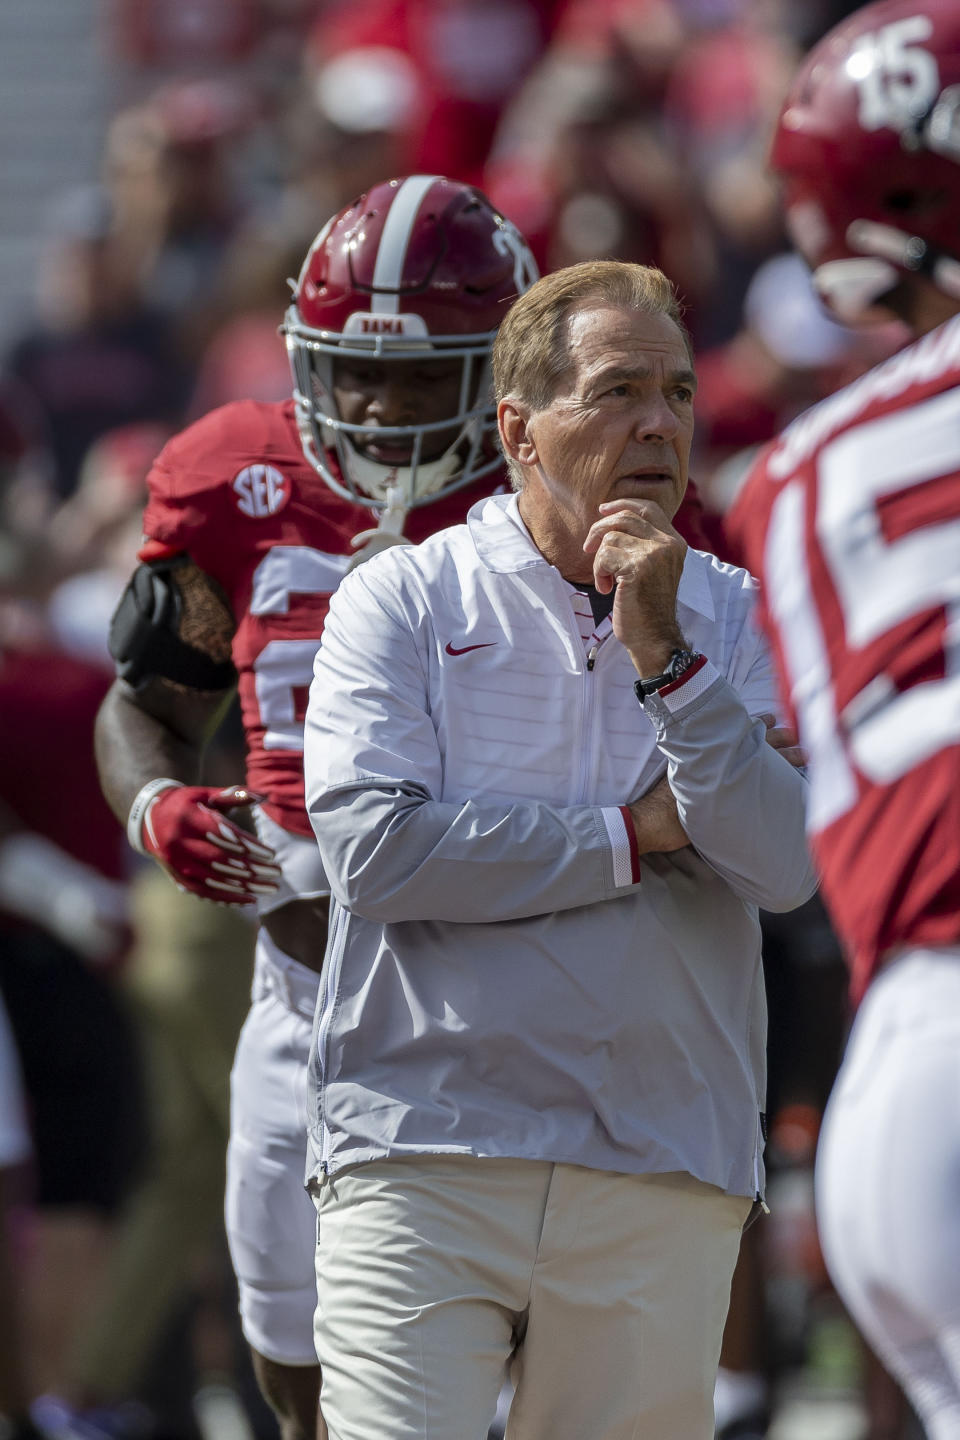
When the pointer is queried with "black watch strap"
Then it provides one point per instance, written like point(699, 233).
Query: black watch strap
point(679, 663)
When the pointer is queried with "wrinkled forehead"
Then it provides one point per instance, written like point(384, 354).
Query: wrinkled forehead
point(608, 337)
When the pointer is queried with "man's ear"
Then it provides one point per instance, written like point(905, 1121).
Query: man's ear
point(513, 421)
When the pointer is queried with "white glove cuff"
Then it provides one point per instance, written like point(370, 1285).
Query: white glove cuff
point(140, 806)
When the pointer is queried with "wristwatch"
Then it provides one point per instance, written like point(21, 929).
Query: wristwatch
point(678, 664)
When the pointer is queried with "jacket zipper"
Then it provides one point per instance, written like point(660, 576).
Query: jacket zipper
point(588, 690)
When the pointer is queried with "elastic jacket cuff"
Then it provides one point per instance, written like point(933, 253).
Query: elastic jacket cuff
point(623, 845)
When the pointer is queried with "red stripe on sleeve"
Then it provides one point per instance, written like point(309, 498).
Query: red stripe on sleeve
point(687, 675)
point(632, 839)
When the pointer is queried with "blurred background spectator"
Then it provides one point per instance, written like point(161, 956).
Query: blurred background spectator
point(94, 536)
point(98, 352)
point(15, 1150)
point(166, 164)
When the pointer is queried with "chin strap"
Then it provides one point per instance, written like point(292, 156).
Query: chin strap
point(389, 530)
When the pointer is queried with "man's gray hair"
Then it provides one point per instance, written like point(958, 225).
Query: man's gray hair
point(530, 353)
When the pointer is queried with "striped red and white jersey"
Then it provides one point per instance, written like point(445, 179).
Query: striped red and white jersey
point(851, 519)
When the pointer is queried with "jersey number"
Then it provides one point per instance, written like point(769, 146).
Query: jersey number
point(884, 731)
point(897, 79)
point(286, 665)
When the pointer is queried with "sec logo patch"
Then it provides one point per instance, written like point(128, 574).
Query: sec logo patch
point(261, 490)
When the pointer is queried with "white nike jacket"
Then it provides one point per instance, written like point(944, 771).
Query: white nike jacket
point(502, 976)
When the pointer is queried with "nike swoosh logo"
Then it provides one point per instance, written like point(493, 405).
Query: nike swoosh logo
point(452, 650)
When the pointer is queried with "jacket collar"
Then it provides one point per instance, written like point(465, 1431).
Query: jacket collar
point(503, 545)
point(502, 541)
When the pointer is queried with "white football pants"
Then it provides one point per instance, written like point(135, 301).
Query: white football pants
point(888, 1180)
point(271, 1223)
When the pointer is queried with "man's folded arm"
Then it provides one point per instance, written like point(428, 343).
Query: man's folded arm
point(392, 853)
point(741, 803)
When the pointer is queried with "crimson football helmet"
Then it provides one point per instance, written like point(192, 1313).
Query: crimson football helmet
point(868, 146)
point(417, 268)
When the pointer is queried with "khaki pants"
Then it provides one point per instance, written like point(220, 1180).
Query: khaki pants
point(610, 1291)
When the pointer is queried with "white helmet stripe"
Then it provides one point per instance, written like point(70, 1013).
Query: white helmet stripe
point(394, 240)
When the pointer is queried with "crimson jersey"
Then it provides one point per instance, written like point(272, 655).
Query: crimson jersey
point(852, 521)
point(234, 492)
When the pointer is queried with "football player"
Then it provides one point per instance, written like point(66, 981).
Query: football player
point(255, 513)
point(852, 519)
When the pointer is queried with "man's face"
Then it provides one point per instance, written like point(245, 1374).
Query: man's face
point(619, 426)
point(384, 393)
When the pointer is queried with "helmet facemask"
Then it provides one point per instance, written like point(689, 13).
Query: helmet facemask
point(469, 454)
point(419, 270)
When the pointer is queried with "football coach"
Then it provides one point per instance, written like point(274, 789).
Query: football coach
point(537, 771)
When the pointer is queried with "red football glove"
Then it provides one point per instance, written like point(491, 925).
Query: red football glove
point(184, 827)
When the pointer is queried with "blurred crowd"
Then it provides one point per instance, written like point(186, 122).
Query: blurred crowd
point(634, 129)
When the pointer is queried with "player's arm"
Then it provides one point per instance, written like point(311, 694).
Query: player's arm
point(171, 638)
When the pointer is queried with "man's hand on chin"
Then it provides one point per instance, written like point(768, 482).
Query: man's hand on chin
point(635, 547)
